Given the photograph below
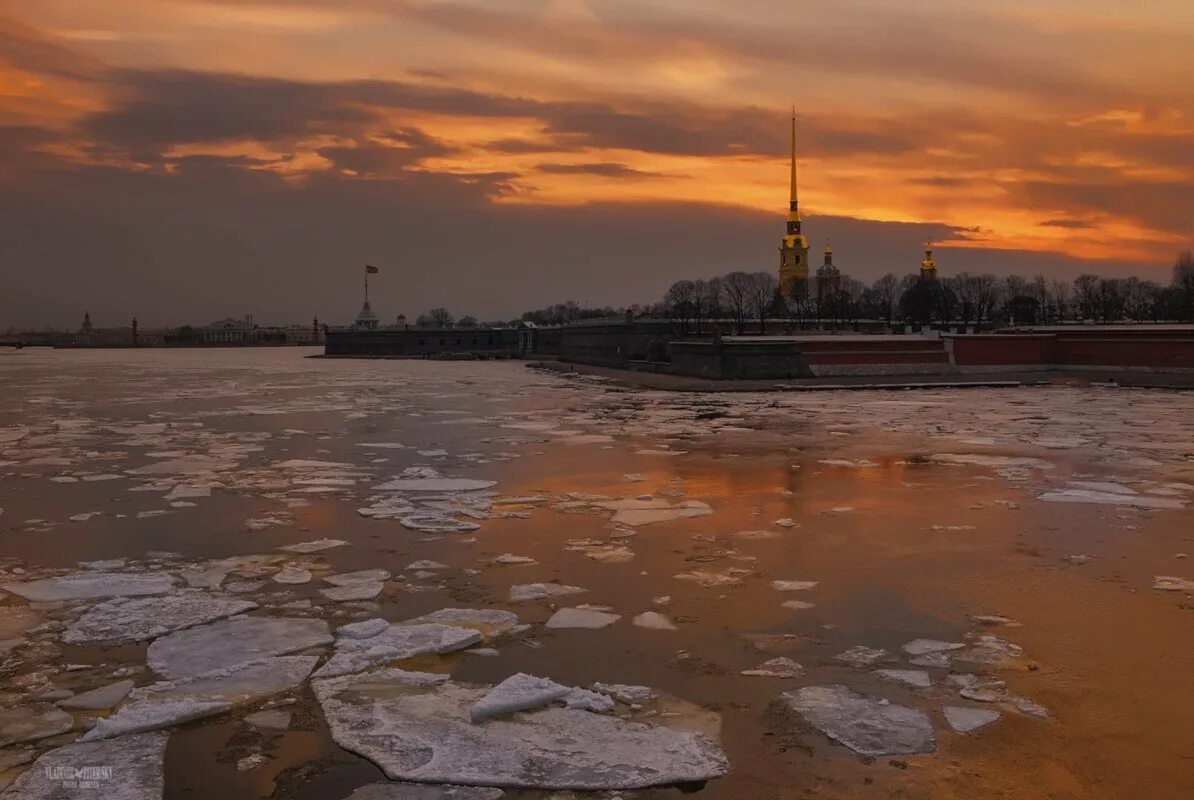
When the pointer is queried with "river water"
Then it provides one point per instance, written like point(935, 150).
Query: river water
point(893, 515)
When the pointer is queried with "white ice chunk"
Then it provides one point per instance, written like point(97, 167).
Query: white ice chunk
point(870, 726)
point(581, 618)
point(365, 629)
point(488, 621)
point(103, 697)
point(353, 591)
point(920, 647)
point(228, 642)
point(137, 760)
point(88, 585)
point(916, 678)
point(434, 485)
point(313, 547)
point(292, 576)
point(142, 619)
point(653, 620)
point(519, 692)
point(965, 719)
point(539, 591)
point(775, 668)
point(396, 643)
point(861, 656)
point(30, 723)
point(548, 748)
point(793, 586)
point(141, 717)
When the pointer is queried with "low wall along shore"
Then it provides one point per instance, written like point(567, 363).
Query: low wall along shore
point(1145, 348)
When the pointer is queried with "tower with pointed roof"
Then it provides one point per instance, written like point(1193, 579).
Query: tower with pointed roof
point(829, 277)
point(793, 249)
point(928, 267)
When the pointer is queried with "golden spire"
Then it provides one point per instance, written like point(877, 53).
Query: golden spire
point(792, 199)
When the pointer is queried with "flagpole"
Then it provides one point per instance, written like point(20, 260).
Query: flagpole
point(366, 283)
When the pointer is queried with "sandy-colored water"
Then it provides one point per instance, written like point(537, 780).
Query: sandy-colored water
point(904, 544)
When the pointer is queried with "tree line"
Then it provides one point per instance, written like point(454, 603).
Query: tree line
point(749, 300)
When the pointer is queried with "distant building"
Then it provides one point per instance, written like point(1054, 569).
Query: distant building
point(829, 277)
point(793, 248)
point(366, 320)
point(231, 331)
point(86, 328)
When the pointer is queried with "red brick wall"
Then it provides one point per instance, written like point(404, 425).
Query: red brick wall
point(1006, 350)
point(1130, 348)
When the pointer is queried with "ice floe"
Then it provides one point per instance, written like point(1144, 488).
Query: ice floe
point(775, 668)
point(868, 725)
point(91, 585)
point(519, 692)
point(137, 760)
point(540, 591)
point(142, 619)
point(228, 642)
point(581, 618)
point(396, 643)
point(547, 748)
point(965, 719)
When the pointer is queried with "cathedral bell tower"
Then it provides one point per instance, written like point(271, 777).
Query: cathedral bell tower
point(793, 250)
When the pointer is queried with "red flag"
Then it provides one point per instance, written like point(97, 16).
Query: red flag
point(370, 269)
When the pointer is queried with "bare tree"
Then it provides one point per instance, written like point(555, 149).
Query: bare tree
point(760, 297)
point(886, 296)
point(1059, 297)
point(1183, 284)
point(680, 302)
point(735, 287)
point(1086, 294)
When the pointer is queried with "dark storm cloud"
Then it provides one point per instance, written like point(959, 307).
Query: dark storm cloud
point(157, 109)
point(403, 148)
point(604, 170)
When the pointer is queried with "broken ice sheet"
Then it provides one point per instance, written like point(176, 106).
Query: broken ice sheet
point(539, 591)
point(313, 547)
point(868, 725)
point(965, 719)
point(138, 760)
point(547, 748)
point(581, 618)
point(30, 723)
point(648, 512)
point(90, 585)
point(142, 619)
point(775, 668)
point(490, 622)
point(228, 642)
point(519, 692)
point(173, 702)
point(396, 643)
point(861, 656)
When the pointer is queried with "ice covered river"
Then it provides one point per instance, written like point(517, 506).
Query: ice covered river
point(246, 574)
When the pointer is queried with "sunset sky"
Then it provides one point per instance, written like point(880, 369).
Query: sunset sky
point(185, 160)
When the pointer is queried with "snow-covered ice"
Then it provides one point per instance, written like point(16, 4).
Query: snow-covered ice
point(142, 619)
point(547, 748)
